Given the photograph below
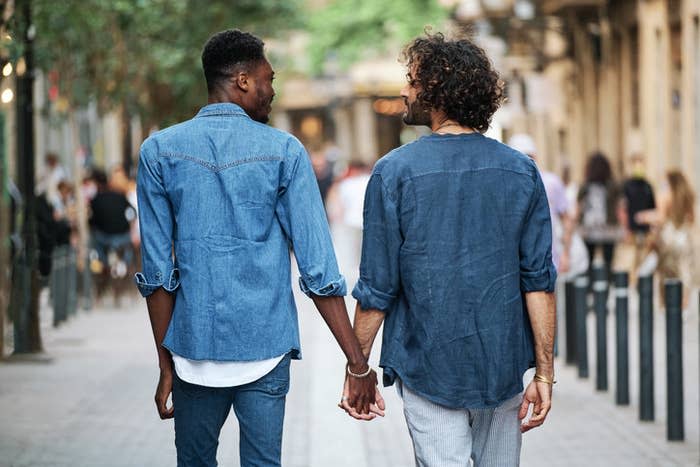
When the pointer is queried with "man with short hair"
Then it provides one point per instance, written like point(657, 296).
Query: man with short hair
point(456, 232)
point(637, 196)
point(222, 197)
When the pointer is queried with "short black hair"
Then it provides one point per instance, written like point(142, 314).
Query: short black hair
point(227, 49)
point(457, 77)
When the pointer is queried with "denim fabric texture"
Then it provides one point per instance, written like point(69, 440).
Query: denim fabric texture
point(456, 229)
point(200, 413)
point(222, 199)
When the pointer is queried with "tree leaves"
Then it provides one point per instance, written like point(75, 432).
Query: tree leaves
point(352, 30)
point(143, 54)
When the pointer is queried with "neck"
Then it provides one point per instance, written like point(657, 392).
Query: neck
point(222, 96)
point(442, 125)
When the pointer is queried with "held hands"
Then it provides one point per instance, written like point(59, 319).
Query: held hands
point(163, 391)
point(361, 397)
point(539, 395)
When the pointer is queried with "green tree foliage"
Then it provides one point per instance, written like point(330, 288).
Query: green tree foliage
point(143, 55)
point(354, 29)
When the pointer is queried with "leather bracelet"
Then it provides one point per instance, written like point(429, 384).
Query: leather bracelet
point(358, 375)
point(544, 379)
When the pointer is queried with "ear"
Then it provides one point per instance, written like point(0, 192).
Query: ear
point(241, 80)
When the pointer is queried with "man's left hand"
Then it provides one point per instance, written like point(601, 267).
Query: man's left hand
point(539, 395)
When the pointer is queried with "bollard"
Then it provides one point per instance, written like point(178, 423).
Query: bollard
point(600, 298)
point(72, 281)
point(86, 280)
point(580, 292)
point(674, 360)
point(570, 321)
point(646, 347)
point(622, 388)
point(59, 284)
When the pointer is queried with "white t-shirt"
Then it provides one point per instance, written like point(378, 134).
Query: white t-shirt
point(215, 374)
point(352, 196)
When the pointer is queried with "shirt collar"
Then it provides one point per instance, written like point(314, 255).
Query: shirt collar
point(221, 108)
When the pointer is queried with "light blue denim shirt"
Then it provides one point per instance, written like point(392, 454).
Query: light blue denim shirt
point(456, 229)
point(222, 199)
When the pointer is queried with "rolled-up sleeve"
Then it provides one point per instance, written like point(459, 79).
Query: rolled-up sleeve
point(537, 271)
point(156, 221)
point(303, 218)
point(379, 282)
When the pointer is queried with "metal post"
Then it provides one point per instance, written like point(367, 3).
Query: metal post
point(59, 284)
point(674, 360)
point(622, 388)
point(25, 299)
point(600, 298)
point(72, 282)
point(5, 224)
point(570, 321)
point(86, 279)
point(646, 348)
point(580, 291)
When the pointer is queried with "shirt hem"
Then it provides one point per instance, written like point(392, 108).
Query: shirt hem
point(510, 393)
point(294, 351)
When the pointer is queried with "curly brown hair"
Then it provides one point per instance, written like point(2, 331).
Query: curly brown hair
point(454, 76)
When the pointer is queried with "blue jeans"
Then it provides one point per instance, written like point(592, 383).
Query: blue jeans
point(200, 413)
point(104, 243)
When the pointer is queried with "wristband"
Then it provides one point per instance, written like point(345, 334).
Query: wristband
point(358, 375)
point(544, 379)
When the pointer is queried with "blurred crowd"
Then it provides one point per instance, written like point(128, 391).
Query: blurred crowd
point(619, 221)
point(622, 221)
point(104, 253)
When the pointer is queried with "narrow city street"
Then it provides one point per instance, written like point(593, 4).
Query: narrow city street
point(88, 403)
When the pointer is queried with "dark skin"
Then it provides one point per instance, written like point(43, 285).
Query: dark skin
point(250, 87)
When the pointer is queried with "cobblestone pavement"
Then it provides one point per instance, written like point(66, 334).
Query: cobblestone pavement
point(89, 403)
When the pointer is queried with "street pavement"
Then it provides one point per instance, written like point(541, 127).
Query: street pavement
point(89, 402)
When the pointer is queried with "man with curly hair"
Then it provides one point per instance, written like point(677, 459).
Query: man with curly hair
point(222, 198)
point(457, 263)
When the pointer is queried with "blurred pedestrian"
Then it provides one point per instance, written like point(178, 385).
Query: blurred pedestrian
point(65, 214)
point(111, 215)
point(597, 209)
point(637, 196)
point(230, 195)
point(54, 173)
point(323, 170)
point(64, 273)
point(46, 234)
point(570, 186)
point(562, 225)
point(345, 203)
point(456, 230)
point(672, 237)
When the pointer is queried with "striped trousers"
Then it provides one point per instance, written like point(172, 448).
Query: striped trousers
point(445, 437)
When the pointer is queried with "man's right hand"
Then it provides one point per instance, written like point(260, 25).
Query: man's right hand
point(163, 391)
point(539, 395)
point(367, 405)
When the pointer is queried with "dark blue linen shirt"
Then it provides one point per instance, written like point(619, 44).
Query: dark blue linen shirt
point(221, 200)
point(456, 229)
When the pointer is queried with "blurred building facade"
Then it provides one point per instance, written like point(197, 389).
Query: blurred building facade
point(357, 111)
point(621, 76)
